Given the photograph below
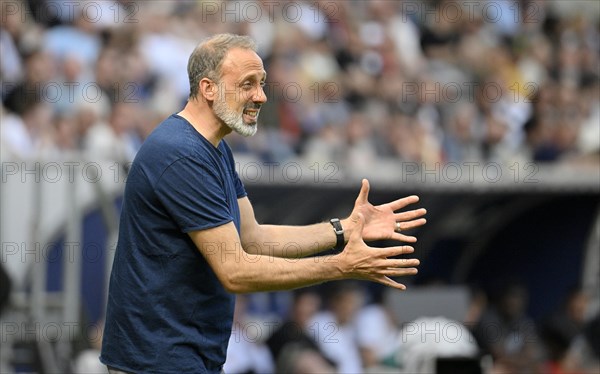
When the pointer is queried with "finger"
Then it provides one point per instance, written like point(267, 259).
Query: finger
point(411, 214)
point(395, 251)
point(396, 263)
point(403, 272)
point(401, 203)
point(412, 224)
point(363, 195)
point(403, 238)
point(391, 283)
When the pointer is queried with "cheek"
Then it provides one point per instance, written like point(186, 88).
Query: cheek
point(231, 102)
point(238, 100)
point(243, 100)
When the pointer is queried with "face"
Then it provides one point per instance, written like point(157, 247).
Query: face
point(346, 305)
point(240, 91)
point(305, 307)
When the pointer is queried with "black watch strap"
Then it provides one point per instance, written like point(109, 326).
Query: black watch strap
point(339, 234)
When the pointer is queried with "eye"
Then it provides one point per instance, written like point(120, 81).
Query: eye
point(246, 85)
point(262, 83)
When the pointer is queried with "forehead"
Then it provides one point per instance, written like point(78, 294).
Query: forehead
point(242, 62)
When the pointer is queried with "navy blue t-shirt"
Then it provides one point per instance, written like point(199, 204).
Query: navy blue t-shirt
point(167, 311)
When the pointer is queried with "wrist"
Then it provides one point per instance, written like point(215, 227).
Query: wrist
point(348, 227)
point(339, 270)
point(338, 230)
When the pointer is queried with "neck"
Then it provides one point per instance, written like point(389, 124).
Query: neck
point(204, 121)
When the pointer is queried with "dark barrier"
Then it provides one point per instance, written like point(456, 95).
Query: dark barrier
point(483, 239)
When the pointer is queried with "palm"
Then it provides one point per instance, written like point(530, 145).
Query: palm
point(380, 220)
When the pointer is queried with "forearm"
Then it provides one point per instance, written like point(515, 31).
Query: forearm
point(293, 241)
point(286, 241)
point(259, 273)
point(240, 271)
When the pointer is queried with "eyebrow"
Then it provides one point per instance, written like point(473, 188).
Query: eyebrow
point(252, 75)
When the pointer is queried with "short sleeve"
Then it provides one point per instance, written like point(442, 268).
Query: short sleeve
point(194, 195)
point(240, 191)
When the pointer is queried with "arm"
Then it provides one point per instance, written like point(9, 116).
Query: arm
point(240, 272)
point(282, 241)
point(302, 241)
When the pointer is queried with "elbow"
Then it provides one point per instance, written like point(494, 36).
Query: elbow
point(233, 288)
point(234, 284)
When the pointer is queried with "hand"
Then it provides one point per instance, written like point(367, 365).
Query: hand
point(359, 261)
point(380, 220)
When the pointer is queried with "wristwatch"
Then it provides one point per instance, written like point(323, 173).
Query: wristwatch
point(339, 234)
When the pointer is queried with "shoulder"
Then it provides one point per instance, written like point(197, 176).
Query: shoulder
point(175, 138)
point(171, 134)
point(173, 145)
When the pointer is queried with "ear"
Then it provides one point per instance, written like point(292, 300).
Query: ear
point(208, 89)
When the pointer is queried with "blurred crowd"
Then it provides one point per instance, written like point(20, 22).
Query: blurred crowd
point(345, 328)
point(348, 81)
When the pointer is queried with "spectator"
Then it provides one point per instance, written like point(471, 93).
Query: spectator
point(118, 139)
point(246, 353)
point(378, 336)
point(506, 332)
point(560, 330)
point(432, 86)
point(427, 340)
point(306, 303)
point(334, 328)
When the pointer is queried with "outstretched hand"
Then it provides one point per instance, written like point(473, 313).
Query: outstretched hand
point(382, 221)
point(359, 261)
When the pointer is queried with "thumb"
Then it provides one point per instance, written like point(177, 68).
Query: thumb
point(358, 229)
point(363, 195)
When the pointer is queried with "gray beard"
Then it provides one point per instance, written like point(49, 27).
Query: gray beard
point(233, 120)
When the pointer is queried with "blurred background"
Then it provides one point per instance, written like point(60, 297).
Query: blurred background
point(488, 110)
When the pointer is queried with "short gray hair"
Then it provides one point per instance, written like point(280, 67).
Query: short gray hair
point(208, 56)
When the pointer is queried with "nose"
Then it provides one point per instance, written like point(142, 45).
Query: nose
point(259, 96)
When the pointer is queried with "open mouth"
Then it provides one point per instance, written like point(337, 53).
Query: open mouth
point(251, 114)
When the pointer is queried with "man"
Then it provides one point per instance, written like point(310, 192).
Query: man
point(333, 327)
point(188, 238)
